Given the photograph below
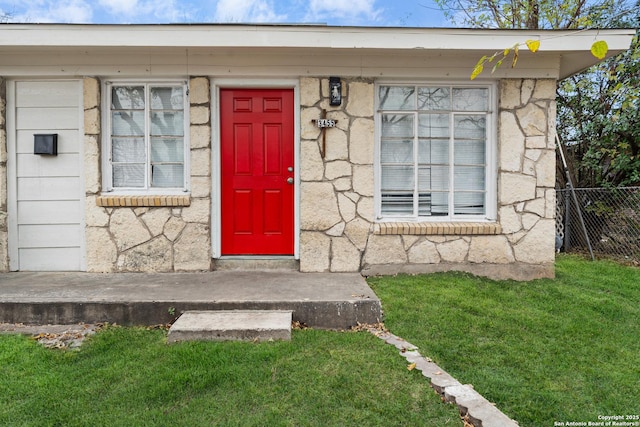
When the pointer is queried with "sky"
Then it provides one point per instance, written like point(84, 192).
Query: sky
point(401, 13)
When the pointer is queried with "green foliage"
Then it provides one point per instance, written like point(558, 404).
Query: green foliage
point(599, 121)
point(527, 14)
point(598, 110)
point(542, 351)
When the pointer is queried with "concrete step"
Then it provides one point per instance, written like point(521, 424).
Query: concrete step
point(231, 325)
point(257, 264)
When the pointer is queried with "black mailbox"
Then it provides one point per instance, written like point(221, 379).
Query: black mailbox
point(45, 144)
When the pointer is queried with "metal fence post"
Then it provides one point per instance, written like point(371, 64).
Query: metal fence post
point(567, 220)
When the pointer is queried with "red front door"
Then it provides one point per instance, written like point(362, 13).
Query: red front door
point(256, 128)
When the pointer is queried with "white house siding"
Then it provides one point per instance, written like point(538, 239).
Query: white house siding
point(4, 249)
point(45, 192)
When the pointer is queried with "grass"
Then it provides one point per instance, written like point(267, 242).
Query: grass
point(131, 377)
point(544, 351)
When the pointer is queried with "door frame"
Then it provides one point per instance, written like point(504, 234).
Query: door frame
point(216, 202)
point(12, 170)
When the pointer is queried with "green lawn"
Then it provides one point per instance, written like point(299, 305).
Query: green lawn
point(131, 377)
point(544, 351)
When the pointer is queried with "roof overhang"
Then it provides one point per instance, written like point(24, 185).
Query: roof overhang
point(569, 49)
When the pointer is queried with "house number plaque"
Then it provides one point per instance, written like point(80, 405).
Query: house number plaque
point(324, 123)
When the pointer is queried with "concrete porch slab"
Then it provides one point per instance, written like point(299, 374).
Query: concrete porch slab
point(319, 300)
point(231, 325)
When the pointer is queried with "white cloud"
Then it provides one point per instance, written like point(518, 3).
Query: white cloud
point(64, 11)
point(247, 11)
point(345, 12)
point(147, 11)
point(120, 7)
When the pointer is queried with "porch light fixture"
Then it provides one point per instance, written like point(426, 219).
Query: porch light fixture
point(335, 91)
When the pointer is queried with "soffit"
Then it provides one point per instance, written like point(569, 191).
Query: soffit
point(570, 48)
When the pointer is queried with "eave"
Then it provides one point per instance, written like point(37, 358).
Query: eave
point(566, 52)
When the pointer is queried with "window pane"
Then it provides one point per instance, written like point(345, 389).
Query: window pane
point(433, 178)
point(127, 98)
point(444, 175)
point(396, 151)
point(468, 203)
point(128, 150)
point(397, 97)
point(434, 98)
point(469, 152)
point(433, 151)
point(167, 123)
point(470, 99)
point(433, 126)
point(127, 123)
point(167, 98)
point(128, 175)
point(397, 125)
point(397, 178)
point(397, 203)
point(167, 175)
point(167, 150)
point(469, 178)
point(470, 126)
point(433, 204)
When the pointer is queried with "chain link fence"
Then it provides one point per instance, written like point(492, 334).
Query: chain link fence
point(605, 222)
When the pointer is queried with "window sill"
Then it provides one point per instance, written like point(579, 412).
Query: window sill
point(438, 228)
point(143, 201)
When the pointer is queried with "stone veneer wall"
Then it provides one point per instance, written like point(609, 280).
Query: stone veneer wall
point(160, 234)
point(4, 243)
point(338, 230)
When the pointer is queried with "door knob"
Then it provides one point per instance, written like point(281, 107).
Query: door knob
point(290, 168)
point(289, 180)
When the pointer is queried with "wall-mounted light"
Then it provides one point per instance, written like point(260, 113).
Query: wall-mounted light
point(335, 91)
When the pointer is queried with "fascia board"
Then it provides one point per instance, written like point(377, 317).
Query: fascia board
point(309, 37)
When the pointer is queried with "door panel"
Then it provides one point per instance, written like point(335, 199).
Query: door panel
point(49, 199)
point(256, 127)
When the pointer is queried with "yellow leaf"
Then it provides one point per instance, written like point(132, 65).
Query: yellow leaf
point(515, 57)
point(476, 71)
point(533, 45)
point(599, 49)
point(495, 67)
point(411, 367)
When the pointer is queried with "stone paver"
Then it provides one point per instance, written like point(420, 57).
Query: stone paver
point(473, 408)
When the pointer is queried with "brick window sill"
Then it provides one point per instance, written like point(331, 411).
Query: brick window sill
point(142, 201)
point(438, 228)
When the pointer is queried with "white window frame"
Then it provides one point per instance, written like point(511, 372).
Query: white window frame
point(491, 181)
point(107, 172)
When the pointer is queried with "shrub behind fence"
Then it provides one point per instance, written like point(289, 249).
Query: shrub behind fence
point(611, 222)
